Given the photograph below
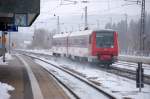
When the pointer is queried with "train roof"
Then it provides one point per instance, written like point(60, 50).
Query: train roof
point(88, 32)
point(104, 30)
point(61, 35)
point(81, 33)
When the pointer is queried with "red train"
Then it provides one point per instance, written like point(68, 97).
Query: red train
point(91, 45)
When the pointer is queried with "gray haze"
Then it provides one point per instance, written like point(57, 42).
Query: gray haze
point(100, 13)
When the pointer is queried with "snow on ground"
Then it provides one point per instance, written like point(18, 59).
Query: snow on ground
point(4, 88)
point(42, 51)
point(132, 66)
point(7, 57)
point(126, 55)
point(116, 84)
point(76, 85)
point(131, 58)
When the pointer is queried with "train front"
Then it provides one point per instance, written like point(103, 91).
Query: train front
point(105, 46)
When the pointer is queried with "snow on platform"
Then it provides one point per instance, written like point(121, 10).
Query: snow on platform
point(4, 88)
point(7, 57)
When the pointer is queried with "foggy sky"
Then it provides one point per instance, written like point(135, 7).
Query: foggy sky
point(101, 10)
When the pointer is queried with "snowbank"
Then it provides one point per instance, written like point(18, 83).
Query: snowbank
point(8, 57)
point(4, 88)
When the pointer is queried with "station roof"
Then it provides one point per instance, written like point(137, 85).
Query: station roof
point(22, 12)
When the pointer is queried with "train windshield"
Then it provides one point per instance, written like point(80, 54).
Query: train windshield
point(104, 39)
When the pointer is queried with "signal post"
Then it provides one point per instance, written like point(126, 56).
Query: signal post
point(140, 76)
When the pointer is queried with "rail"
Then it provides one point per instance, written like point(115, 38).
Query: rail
point(94, 86)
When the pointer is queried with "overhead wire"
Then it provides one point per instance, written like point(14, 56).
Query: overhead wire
point(71, 2)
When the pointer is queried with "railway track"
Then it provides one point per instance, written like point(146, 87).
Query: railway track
point(124, 72)
point(84, 82)
point(130, 73)
point(133, 65)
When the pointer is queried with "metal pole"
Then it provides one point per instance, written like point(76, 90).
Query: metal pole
point(98, 24)
point(58, 25)
point(111, 21)
point(142, 29)
point(86, 23)
point(126, 16)
point(72, 28)
point(9, 42)
point(3, 45)
point(140, 79)
point(108, 4)
point(79, 27)
point(126, 29)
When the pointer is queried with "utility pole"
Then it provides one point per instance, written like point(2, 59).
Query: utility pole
point(142, 28)
point(98, 24)
point(142, 25)
point(108, 4)
point(126, 32)
point(111, 21)
point(58, 25)
point(9, 41)
point(126, 19)
point(72, 28)
point(79, 27)
point(86, 23)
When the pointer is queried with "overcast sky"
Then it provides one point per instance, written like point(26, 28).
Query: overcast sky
point(72, 13)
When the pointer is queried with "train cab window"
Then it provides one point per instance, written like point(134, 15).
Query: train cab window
point(104, 39)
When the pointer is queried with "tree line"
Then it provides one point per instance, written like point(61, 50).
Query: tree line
point(129, 35)
point(42, 39)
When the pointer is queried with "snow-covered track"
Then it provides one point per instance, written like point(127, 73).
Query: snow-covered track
point(80, 78)
point(65, 86)
point(115, 69)
point(131, 68)
point(128, 73)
